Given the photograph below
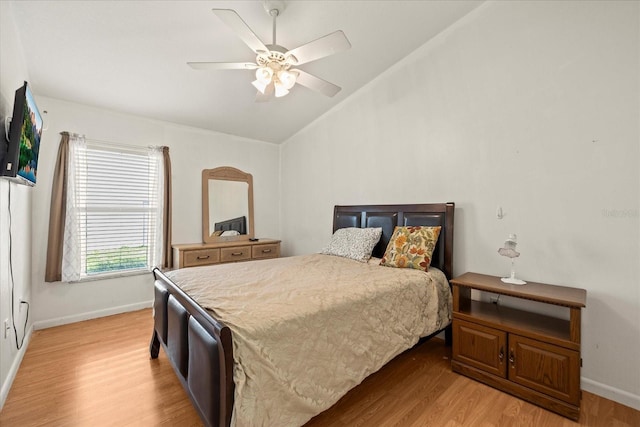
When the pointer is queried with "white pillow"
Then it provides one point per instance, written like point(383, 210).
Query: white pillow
point(354, 243)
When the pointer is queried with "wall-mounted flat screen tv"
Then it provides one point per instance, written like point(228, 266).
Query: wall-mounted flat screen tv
point(20, 161)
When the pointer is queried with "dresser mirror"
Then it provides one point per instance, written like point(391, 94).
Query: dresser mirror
point(227, 205)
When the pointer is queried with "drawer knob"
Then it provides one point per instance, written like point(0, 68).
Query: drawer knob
point(203, 256)
point(512, 357)
point(266, 251)
point(236, 254)
point(501, 354)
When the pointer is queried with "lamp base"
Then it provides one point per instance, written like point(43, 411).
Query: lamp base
point(513, 281)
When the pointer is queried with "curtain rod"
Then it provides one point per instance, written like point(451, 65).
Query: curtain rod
point(109, 143)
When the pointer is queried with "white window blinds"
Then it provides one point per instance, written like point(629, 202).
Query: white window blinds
point(114, 210)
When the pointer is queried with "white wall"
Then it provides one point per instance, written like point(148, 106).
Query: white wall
point(191, 151)
point(13, 72)
point(532, 106)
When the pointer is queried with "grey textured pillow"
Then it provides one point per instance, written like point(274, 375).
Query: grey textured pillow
point(354, 243)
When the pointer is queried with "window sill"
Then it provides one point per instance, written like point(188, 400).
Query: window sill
point(106, 276)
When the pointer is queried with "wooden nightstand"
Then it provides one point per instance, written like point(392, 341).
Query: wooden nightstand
point(197, 254)
point(533, 356)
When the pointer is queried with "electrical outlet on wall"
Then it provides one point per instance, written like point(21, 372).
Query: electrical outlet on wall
point(6, 328)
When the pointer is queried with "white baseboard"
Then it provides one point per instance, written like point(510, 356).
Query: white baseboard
point(50, 323)
point(13, 371)
point(611, 393)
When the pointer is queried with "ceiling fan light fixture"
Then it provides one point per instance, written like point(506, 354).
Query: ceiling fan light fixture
point(280, 90)
point(260, 85)
point(264, 75)
point(287, 78)
point(274, 76)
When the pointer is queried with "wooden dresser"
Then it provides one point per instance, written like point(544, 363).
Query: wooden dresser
point(198, 254)
point(533, 356)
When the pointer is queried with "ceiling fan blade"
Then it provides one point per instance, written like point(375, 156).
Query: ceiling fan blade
point(324, 46)
point(233, 21)
point(267, 95)
point(222, 65)
point(316, 83)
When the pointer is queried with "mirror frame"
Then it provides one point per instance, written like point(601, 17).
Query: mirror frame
point(225, 173)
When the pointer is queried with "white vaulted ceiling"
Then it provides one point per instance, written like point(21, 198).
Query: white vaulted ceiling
point(130, 56)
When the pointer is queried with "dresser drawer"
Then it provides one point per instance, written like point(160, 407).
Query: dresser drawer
point(266, 251)
point(197, 254)
point(237, 253)
point(194, 258)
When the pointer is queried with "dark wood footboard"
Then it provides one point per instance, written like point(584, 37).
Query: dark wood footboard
point(199, 348)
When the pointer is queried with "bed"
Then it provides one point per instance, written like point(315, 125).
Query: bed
point(200, 347)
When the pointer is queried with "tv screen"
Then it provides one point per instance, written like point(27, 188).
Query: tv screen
point(20, 161)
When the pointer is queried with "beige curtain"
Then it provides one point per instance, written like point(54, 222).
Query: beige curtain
point(167, 254)
point(57, 213)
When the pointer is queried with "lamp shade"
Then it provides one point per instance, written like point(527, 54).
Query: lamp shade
point(280, 90)
point(509, 249)
point(264, 75)
point(287, 78)
point(260, 85)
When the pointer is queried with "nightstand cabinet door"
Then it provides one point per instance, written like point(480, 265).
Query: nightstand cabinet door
point(552, 370)
point(481, 347)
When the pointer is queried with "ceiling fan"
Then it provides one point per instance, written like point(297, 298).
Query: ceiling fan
point(276, 66)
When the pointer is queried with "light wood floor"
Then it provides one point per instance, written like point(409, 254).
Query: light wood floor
point(98, 373)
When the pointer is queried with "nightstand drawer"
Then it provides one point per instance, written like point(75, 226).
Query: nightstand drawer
point(198, 257)
point(266, 251)
point(237, 253)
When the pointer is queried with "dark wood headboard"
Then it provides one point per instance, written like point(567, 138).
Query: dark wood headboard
point(239, 224)
point(390, 216)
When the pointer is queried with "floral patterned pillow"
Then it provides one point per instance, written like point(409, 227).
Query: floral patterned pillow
point(411, 247)
point(354, 243)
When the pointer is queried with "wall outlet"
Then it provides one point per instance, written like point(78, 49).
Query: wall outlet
point(7, 328)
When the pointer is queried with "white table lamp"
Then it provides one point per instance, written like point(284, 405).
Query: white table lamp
point(509, 250)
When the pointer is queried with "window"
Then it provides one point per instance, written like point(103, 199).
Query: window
point(114, 210)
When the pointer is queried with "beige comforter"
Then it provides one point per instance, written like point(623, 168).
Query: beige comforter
point(307, 329)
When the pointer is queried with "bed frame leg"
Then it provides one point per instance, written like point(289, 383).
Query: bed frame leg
point(448, 336)
point(154, 347)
